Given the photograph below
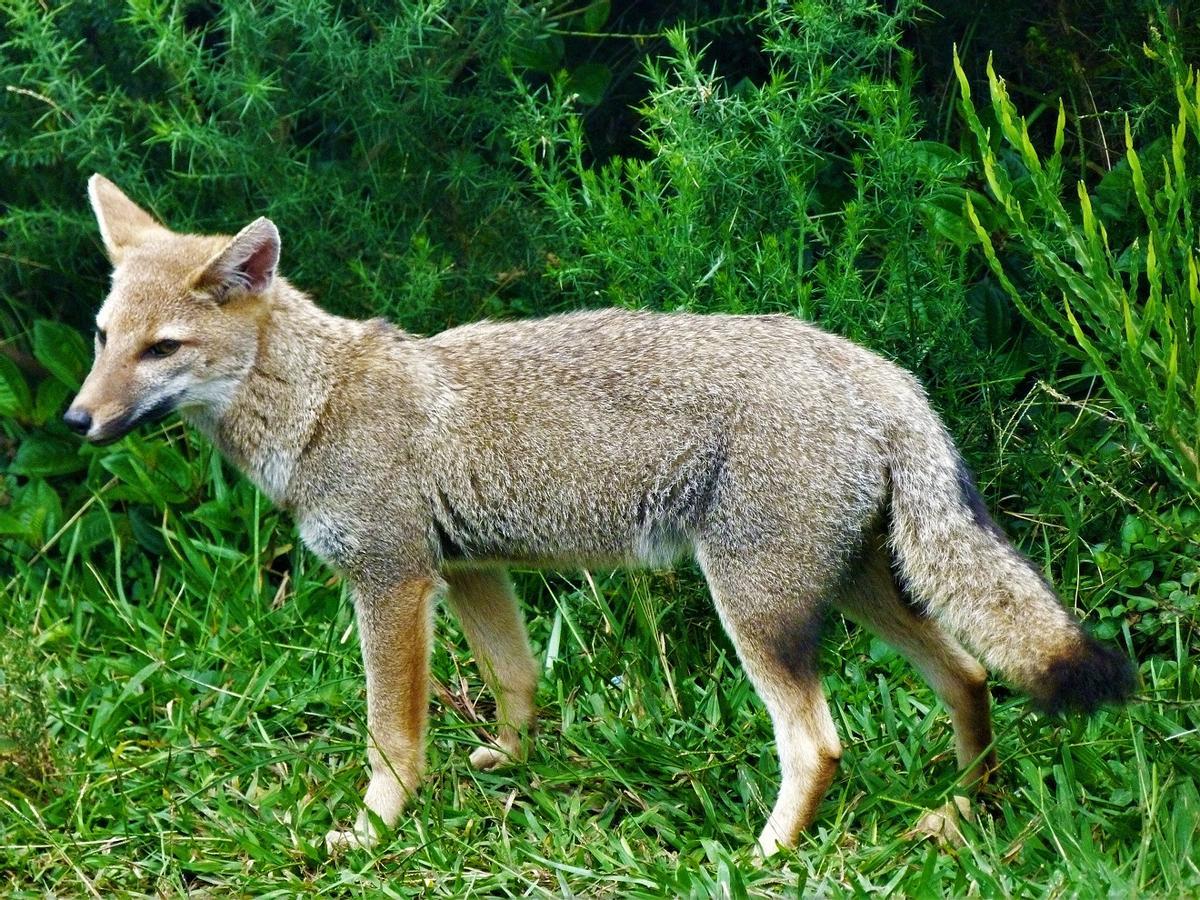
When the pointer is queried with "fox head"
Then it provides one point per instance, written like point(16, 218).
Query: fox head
point(179, 328)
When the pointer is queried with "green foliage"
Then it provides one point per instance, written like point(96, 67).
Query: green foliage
point(372, 137)
point(1131, 310)
point(26, 754)
point(808, 193)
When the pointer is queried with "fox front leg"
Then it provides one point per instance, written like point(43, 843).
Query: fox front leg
point(395, 628)
point(486, 607)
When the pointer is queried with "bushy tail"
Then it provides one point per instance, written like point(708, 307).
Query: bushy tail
point(956, 560)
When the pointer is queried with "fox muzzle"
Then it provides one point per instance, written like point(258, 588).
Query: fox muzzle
point(81, 422)
point(78, 420)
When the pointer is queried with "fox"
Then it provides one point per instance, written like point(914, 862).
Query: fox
point(802, 472)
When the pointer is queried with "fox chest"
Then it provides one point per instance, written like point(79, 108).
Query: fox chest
point(328, 537)
point(271, 473)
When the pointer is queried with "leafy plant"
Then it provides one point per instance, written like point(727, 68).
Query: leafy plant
point(373, 136)
point(809, 190)
point(1130, 310)
point(26, 753)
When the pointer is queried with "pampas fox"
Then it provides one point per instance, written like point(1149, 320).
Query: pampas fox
point(800, 470)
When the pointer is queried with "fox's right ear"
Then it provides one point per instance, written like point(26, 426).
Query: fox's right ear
point(246, 265)
point(123, 223)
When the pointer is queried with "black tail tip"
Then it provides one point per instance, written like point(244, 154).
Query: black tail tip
point(1093, 676)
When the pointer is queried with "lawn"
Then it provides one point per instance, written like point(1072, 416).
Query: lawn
point(188, 716)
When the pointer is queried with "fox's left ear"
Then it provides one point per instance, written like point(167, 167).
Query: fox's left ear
point(246, 265)
point(122, 222)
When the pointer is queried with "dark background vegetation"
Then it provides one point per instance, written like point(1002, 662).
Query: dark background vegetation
point(442, 162)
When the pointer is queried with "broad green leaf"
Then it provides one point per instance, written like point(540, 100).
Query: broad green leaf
point(38, 506)
point(129, 469)
point(168, 471)
point(936, 156)
point(144, 522)
point(943, 215)
point(539, 53)
point(1133, 529)
point(11, 526)
point(589, 81)
point(52, 399)
point(45, 455)
point(62, 350)
point(596, 14)
point(15, 400)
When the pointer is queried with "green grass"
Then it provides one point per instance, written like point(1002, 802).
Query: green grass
point(183, 709)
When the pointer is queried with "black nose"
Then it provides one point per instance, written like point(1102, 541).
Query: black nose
point(78, 420)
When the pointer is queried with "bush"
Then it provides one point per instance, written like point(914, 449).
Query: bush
point(809, 191)
point(1127, 307)
point(373, 137)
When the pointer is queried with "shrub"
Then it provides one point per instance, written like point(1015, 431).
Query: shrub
point(373, 135)
point(1127, 306)
point(808, 191)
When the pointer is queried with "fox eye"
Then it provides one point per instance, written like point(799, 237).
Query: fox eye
point(101, 337)
point(161, 349)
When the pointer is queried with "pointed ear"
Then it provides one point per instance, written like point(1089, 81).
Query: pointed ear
point(246, 265)
point(122, 222)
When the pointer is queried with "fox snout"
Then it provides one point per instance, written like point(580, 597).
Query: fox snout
point(82, 421)
point(102, 409)
point(110, 403)
point(78, 420)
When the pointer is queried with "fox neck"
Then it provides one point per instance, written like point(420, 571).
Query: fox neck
point(266, 422)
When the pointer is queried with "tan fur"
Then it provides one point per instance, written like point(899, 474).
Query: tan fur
point(395, 628)
point(871, 599)
point(776, 454)
point(484, 602)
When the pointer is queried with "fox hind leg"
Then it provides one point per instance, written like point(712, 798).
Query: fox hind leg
point(774, 622)
point(484, 602)
point(872, 599)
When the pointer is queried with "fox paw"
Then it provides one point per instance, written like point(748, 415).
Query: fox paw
point(768, 844)
point(487, 758)
point(941, 824)
point(357, 838)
